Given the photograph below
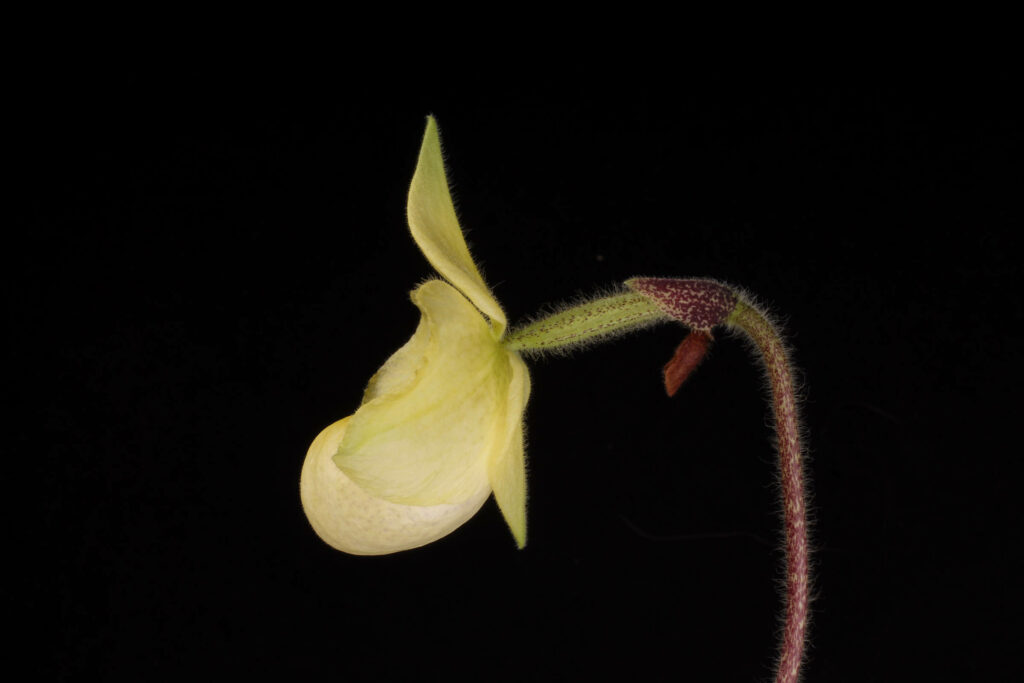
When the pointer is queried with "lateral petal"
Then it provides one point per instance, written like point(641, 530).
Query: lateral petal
point(436, 229)
point(428, 440)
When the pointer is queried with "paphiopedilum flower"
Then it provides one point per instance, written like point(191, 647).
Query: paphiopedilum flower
point(441, 423)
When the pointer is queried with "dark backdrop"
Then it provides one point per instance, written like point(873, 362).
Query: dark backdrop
point(209, 266)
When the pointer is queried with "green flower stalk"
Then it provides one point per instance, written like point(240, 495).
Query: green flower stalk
point(441, 423)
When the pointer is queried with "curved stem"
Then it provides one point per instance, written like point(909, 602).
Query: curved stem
point(766, 337)
point(702, 304)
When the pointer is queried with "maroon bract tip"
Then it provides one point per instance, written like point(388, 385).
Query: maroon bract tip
point(686, 359)
point(699, 304)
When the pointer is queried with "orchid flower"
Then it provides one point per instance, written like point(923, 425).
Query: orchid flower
point(441, 423)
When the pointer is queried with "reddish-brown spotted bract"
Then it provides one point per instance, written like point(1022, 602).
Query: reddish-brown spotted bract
point(697, 303)
point(700, 304)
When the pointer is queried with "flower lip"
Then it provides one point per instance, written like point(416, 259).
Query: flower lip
point(429, 440)
point(348, 518)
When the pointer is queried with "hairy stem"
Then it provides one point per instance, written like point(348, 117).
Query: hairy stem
point(585, 322)
point(763, 333)
point(702, 304)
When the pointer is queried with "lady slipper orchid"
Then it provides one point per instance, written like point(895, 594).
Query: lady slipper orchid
point(441, 423)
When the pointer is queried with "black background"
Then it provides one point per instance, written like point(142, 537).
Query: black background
point(210, 266)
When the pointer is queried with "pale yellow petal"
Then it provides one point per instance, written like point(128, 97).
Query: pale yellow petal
point(436, 229)
point(430, 442)
point(349, 519)
point(507, 470)
point(400, 370)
